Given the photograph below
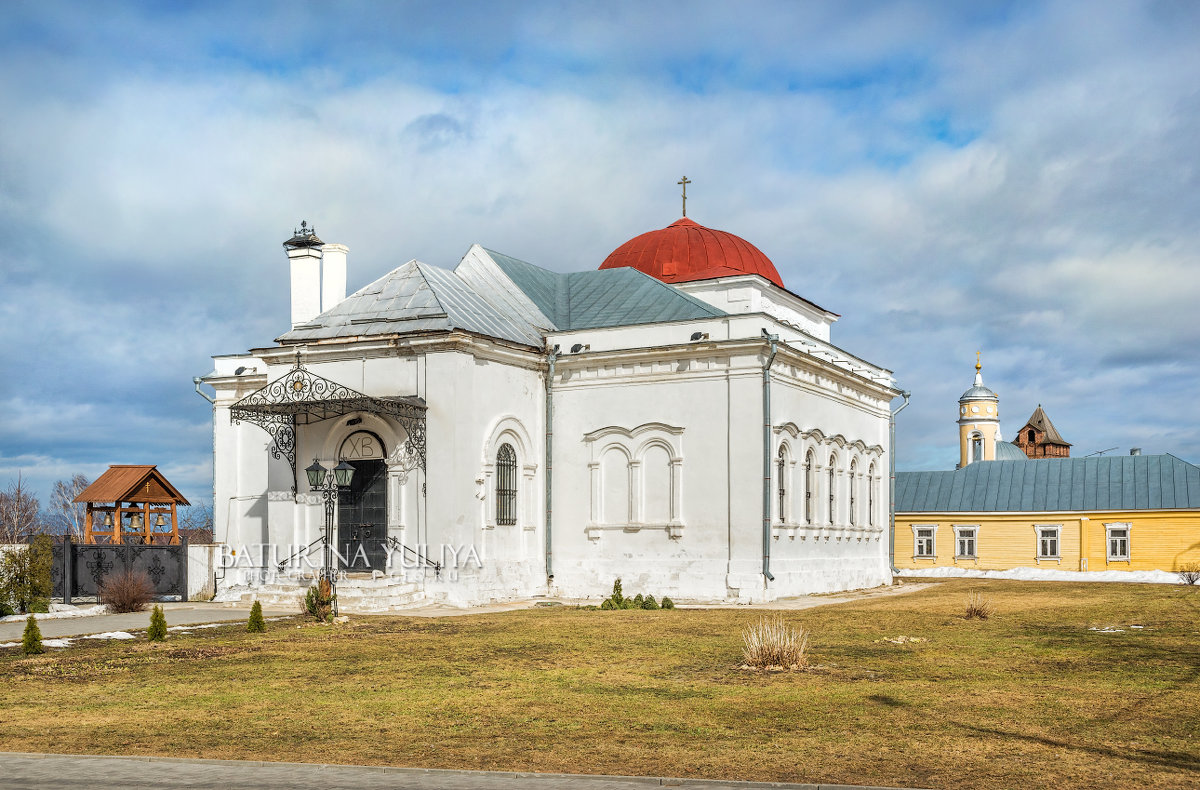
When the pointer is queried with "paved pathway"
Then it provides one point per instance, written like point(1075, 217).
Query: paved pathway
point(177, 614)
point(69, 772)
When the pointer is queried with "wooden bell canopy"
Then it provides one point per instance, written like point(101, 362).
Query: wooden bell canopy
point(131, 503)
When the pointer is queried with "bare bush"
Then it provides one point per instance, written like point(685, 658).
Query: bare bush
point(1189, 573)
point(127, 591)
point(979, 606)
point(773, 644)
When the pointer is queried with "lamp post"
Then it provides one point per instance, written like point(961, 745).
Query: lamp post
point(328, 483)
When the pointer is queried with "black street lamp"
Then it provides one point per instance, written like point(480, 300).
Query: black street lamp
point(328, 483)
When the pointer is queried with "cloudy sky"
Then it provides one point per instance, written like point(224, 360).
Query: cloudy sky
point(1016, 178)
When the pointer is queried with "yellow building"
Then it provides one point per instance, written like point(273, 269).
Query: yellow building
point(1133, 513)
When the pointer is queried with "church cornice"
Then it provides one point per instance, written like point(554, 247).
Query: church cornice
point(742, 358)
point(406, 346)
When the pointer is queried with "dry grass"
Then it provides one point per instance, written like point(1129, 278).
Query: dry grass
point(772, 644)
point(979, 607)
point(1035, 698)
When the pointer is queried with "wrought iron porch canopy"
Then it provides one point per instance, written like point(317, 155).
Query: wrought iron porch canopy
point(301, 398)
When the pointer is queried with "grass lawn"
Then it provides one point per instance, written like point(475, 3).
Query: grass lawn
point(1033, 697)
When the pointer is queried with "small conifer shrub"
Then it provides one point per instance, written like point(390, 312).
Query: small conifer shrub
point(318, 601)
point(157, 631)
point(31, 642)
point(667, 603)
point(256, 624)
point(649, 603)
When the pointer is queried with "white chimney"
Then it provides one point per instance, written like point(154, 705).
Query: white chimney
point(306, 284)
point(318, 274)
point(333, 275)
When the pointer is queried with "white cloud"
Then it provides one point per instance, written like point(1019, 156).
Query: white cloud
point(1019, 181)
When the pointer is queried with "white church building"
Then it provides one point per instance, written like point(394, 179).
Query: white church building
point(676, 418)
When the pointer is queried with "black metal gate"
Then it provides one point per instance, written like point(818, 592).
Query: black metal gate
point(362, 519)
point(80, 569)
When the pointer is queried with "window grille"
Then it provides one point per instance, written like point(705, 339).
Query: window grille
point(506, 486)
point(853, 492)
point(871, 495)
point(781, 466)
point(810, 482)
point(832, 493)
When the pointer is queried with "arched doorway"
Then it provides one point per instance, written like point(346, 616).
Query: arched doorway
point(362, 509)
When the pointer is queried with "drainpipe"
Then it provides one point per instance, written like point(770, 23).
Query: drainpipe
point(766, 530)
point(553, 356)
point(892, 479)
point(198, 381)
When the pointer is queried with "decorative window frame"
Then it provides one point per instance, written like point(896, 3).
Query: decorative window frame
point(917, 541)
point(958, 529)
point(634, 443)
point(817, 454)
point(782, 485)
point(1039, 558)
point(1109, 526)
point(511, 431)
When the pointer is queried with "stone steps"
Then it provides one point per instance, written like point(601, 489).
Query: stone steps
point(354, 594)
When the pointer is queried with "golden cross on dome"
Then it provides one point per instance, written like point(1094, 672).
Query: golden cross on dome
point(684, 184)
point(978, 364)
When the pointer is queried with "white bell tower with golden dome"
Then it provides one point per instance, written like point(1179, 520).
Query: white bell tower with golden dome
point(978, 421)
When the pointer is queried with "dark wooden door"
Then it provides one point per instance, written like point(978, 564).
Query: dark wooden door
point(362, 519)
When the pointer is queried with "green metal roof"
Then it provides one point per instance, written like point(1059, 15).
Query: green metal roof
point(1131, 482)
point(609, 297)
point(1007, 451)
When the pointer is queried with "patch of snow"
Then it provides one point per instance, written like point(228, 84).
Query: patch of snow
point(194, 627)
point(1107, 630)
point(64, 642)
point(1046, 575)
point(59, 611)
point(111, 635)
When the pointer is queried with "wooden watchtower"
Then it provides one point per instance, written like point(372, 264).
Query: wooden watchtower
point(131, 503)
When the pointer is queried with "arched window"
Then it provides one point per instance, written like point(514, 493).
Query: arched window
point(871, 495)
point(780, 473)
point(976, 448)
point(853, 485)
point(810, 482)
point(1032, 436)
point(832, 489)
point(506, 486)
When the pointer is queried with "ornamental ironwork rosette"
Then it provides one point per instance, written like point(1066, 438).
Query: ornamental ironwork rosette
point(301, 397)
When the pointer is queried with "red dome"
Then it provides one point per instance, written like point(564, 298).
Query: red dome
point(685, 251)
